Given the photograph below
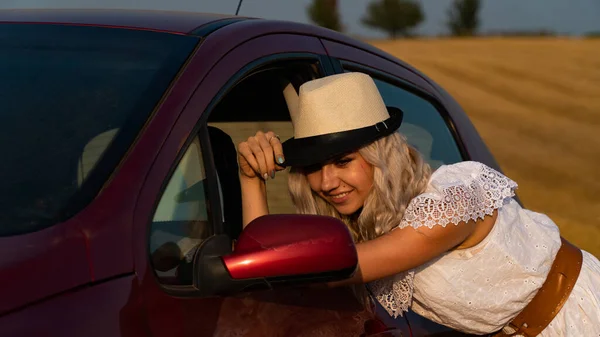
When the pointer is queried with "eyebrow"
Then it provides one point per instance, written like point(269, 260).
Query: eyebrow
point(317, 166)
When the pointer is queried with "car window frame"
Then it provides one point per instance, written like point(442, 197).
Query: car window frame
point(342, 66)
point(325, 67)
point(213, 205)
point(200, 130)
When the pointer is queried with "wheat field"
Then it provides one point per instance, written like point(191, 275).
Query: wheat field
point(536, 103)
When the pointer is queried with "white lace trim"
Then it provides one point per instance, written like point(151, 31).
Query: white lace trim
point(394, 293)
point(461, 201)
point(462, 192)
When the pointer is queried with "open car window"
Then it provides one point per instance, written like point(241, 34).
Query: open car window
point(183, 219)
point(259, 103)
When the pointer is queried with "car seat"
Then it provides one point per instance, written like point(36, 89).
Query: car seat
point(225, 159)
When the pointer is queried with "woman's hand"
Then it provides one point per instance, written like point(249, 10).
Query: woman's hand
point(257, 159)
point(259, 155)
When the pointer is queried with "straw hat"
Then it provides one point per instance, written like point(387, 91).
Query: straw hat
point(335, 115)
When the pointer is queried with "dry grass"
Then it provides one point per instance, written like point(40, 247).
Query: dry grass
point(536, 103)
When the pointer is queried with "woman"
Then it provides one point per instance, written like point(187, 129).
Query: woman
point(453, 245)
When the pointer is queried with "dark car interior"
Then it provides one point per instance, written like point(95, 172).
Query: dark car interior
point(258, 99)
point(259, 95)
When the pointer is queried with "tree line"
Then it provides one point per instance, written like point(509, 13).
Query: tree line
point(399, 17)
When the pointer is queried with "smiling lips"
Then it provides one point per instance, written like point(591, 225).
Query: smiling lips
point(339, 198)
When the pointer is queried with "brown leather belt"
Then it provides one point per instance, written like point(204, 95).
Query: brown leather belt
point(552, 295)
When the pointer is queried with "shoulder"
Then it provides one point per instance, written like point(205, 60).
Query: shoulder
point(459, 192)
point(468, 173)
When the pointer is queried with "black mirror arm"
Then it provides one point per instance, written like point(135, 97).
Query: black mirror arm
point(211, 277)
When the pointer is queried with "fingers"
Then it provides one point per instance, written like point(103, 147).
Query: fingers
point(259, 156)
point(246, 154)
point(275, 143)
point(267, 151)
point(262, 153)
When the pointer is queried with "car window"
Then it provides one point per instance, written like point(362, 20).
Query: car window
point(422, 124)
point(259, 103)
point(72, 100)
point(277, 193)
point(181, 219)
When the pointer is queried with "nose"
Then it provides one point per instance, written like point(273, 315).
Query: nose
point(329, 178)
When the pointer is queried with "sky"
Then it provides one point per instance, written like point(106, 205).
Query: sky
point(564, 16)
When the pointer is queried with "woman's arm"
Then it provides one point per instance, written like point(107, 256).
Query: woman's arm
point(256, 157)
point(407, 248)
point(254, 198)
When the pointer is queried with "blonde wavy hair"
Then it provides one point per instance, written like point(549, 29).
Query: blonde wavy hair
point(400, 174)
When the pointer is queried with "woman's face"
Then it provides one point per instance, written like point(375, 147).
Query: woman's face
point(344, 182)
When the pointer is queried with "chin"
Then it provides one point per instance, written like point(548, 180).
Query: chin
point(347, 210)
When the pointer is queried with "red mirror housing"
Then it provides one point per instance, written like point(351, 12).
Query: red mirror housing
point(292, 245)
point(275, 251)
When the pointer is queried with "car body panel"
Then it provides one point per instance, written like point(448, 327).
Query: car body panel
point(40, 264)
point(110, 308)
point(93, 270)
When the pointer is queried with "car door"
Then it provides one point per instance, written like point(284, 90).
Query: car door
point(181, 202)
point(429, 124)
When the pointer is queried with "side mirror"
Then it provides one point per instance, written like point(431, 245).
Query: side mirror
point(274, 251)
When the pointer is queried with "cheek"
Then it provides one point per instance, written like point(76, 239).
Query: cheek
point(314, 181)
point(366, 175)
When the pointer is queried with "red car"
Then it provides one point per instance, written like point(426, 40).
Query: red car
point(120, 193)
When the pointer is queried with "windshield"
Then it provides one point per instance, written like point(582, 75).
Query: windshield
point(72, 100)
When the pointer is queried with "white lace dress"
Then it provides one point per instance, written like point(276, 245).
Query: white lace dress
point(481, 289)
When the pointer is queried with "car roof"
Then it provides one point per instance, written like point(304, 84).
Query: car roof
point(180, 22)
point(167, 21)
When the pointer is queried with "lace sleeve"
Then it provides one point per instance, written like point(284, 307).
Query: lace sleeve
point(459, 192)
point(394, 293)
